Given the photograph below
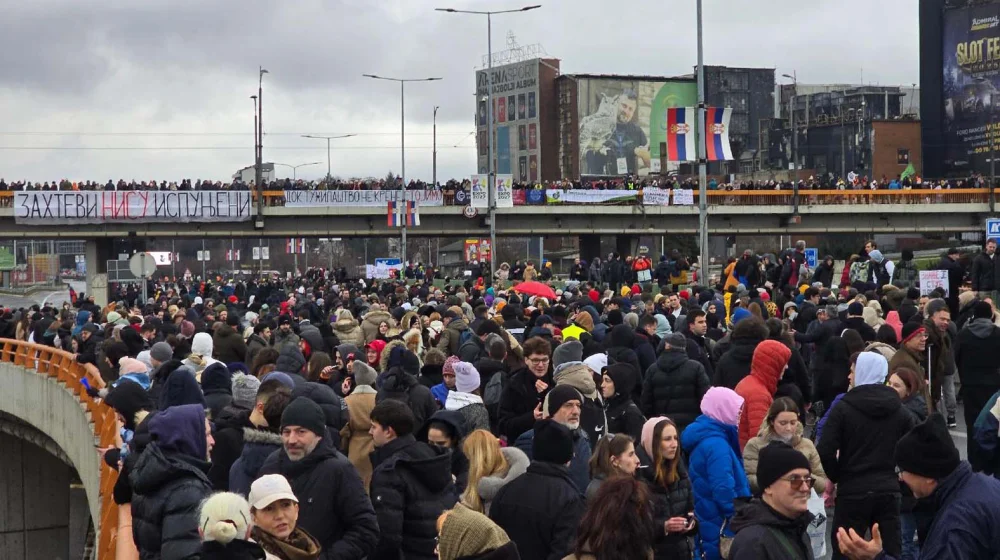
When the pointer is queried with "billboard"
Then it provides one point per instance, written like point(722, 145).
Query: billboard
point(971, 42)
point(515, 101)
point(623, 122)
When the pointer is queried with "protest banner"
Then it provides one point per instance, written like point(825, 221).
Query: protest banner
point(99, 207)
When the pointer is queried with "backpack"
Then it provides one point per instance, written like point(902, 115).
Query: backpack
point(467, 335)
point(859, 272)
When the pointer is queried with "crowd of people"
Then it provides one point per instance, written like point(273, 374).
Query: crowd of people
point(638, 415)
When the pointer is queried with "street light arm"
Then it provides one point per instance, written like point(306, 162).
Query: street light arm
point(487, 13)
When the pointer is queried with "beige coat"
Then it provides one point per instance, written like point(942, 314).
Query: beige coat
point(355, 440)
point(752, 454)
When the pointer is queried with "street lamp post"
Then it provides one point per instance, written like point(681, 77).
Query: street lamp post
point(702, 164)
point(256, 152)
point(327, 138)
point(402, 143)
point(258, 169)
point(795, 141)
point(491, 173)
point(434, 154)
point(295, 168)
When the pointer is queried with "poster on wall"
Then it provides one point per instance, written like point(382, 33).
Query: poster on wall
point(522, 138)
point(99, 207)
point(522, 165)
point(626, 120)
point(532, 136)
point(532, 168)
point(482, 112)
point(501, 111)
point(503, 149)
point(513, 108)
point(522, 109)
point(504, 191)
point(531, 105)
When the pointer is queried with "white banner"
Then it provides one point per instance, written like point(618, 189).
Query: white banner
point(931, 280)
point(683, 197)
point(653, 196)
point(99, 207)
point(588, 196)
point(504, 191)
point(304, 199)
point(480, 196)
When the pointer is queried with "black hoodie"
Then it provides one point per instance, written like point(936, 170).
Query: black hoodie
point(976, 355)
point(764, 534)
point(864, 428)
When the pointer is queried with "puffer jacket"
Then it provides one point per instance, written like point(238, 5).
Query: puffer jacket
point(228, 345)
point(751, 456)
point(674, 387)
point(369, 326)
point(258, 445)
point(349, 331)
point(411, 485)
point(168, 490)
point(488, 486)
point(255, 344)
point(734, 364)
point(404, 387)
point(717, 477)
point(675, 500)
point(757, 389)
point(217, 386)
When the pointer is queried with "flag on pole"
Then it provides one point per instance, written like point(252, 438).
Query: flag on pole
point(680, 134)
point(403, 212)
point(295, 245)
point(909, 171)
point(717, 146)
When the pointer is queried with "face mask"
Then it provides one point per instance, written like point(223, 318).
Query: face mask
point(784, 439)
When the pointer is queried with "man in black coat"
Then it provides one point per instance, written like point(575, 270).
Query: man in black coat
point(956, 274)
point(674, 385)
point(978, 364)
point(541, 509)
point(411, 485)
point(984, 270)
point(400, 383)
point(856, 321)
point(734, 365)
point(333, 505)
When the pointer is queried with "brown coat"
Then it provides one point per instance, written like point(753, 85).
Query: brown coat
point(905, 358)
point(355, 440)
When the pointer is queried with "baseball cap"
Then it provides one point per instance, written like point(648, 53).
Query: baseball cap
point(268, 489)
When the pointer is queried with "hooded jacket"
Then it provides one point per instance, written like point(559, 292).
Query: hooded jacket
point(179, 386)
point(622, 337)
point(624, 416)
point(348, 330)
point(333, 506)
point(228, 345)
point(169, 483)
point(332, 405)
point(976, 355)
point(489, 486)
point(458, 428)
point(451, 337)
point(757, 389)
point(734, 365)
point(217, 385)
point(751, 456)
point(411, 485)
point(674, 387)
point(369, 326)
point(290, 361)
point(764, 534)
point(400, 385)
point(717, 477)
point(258, 445)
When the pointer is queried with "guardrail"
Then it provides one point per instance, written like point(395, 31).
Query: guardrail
point(63, 367)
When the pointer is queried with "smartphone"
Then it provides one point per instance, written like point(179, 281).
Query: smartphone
point(85, 383)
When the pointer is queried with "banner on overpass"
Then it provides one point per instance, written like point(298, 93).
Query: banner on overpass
point(307, 199)
point(582, 196)
point(101, 207)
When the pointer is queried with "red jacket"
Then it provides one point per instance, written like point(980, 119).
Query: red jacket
point(757, 389)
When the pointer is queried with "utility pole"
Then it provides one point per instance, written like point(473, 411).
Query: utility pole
point(434, 159)
point(258, 166)
point(702, 165)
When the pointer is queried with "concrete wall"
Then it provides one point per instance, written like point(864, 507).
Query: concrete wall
point(45, 486)
point(34, 503)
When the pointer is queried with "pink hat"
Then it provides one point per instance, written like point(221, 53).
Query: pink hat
point(131, 365)
point(449, 365)
point(723, 405)
point(646, 438)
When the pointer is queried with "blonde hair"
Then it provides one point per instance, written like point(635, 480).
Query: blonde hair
point(485, 459)
point(223, 517)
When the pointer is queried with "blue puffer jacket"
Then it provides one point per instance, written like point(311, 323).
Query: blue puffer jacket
point(717, 478)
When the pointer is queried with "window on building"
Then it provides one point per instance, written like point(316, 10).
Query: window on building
point(903, 156)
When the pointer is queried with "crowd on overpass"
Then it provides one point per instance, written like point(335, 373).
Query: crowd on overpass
point(631, 415)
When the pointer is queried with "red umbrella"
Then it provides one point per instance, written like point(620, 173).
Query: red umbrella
point(535, 289)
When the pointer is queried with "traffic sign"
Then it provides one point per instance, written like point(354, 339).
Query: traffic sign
point(812, 258)
point(992, 228)
point(142, 264)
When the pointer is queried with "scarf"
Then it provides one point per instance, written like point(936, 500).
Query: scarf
point(300, 545)
point(458, 401)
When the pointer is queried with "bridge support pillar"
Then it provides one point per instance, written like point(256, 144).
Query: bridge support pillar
point(590, 247)
point(96, 256)
point(627, 245)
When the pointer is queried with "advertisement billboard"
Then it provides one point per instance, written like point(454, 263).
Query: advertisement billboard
point(515, 94)
point(623, 122)
point(971, 42)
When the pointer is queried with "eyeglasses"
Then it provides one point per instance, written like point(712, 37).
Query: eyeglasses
point(796, 480)
point(538, 361)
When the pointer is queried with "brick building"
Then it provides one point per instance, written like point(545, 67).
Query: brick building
point(896, 144)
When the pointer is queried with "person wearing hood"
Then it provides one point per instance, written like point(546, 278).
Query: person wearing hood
point(774, 527)
point(782, 424)
point(400, 382)
point(770, 360)
point(200, 358)
point(132, 404)
point(293, 362)
point(824, 272)
point(178, 388)
point(717, 476)
point(347, 329)
point(82, 318)
point(465, 534)
point(217, 386)
point(169, 481)
point(411, 485)
point(662, 469)
point(563, 404)
point(446, 429)
point(856, 451)
point(466, 398)
point(675, 385)
point(578, 375)
point(622, 338)
point(624, 416)
point(355, 437)
point(227, 341)
point(978, 364)
point(734, 365)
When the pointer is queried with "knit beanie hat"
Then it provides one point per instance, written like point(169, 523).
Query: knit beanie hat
point(553, 443)
point(776, 460)
point(161, 352)
point(364, 374)
point(466, 377)
point(467, 534)
point(449, 365)
point(130, 365)
point(615, 317)
point(187, 329)
point(306, 413)
point(740, 314)
point(569, 351)
point(855, 309)
point(910, 330)
point(677, 342)
point(245, 390)
point(560, 395)
point(928, 450)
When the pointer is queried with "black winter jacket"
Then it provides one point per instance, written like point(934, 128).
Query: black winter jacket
point(674, 387)
point(864, 428)
point(330, 402)
point(677, 500)
point(217, 386)
point(624, 417)
point(984, 272)
point(333, 505)
point(518, 402)
point(764, 534)
point(168, 490)
point(236, 549)
point(734, 365)
point(540, 511)
point(404, 387)
point(411, 485)
point(976, 355)
point(228, 436)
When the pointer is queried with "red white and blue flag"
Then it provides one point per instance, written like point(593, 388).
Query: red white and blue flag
point(403, 213)
point(295, 245)
point(681, 134)
point(717, 146)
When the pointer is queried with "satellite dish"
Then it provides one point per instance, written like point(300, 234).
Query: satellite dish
point(142, 265)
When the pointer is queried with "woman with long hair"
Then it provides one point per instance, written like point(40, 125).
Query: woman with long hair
point(618, 523)
point(614, 455)
point(782, 423)
point(490, 468)
point(912, 391)
point(317, 370)
point(664, 471)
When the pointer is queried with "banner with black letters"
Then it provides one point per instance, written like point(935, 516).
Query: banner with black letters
point(101, 207)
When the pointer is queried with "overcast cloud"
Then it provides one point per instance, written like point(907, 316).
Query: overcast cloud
point(159, 74)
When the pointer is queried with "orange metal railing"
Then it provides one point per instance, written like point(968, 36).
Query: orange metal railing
point(62, 366)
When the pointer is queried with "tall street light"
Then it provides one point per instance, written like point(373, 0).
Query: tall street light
point(702, 156)
point(434, 150)
point(295, 168)
point(402, 142)
point(327, 138)
point(258, 165)
point(795, 140)
point(491, 173)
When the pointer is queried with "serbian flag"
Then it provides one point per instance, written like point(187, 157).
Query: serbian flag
point(403, 213)
point(717, 146)
point(295, 245)
point(680, 134)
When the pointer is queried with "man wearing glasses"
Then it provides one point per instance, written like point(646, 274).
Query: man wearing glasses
point(774, 527)
point(521, 400)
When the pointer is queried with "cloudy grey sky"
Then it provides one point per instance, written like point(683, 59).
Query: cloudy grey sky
point(135, 82)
